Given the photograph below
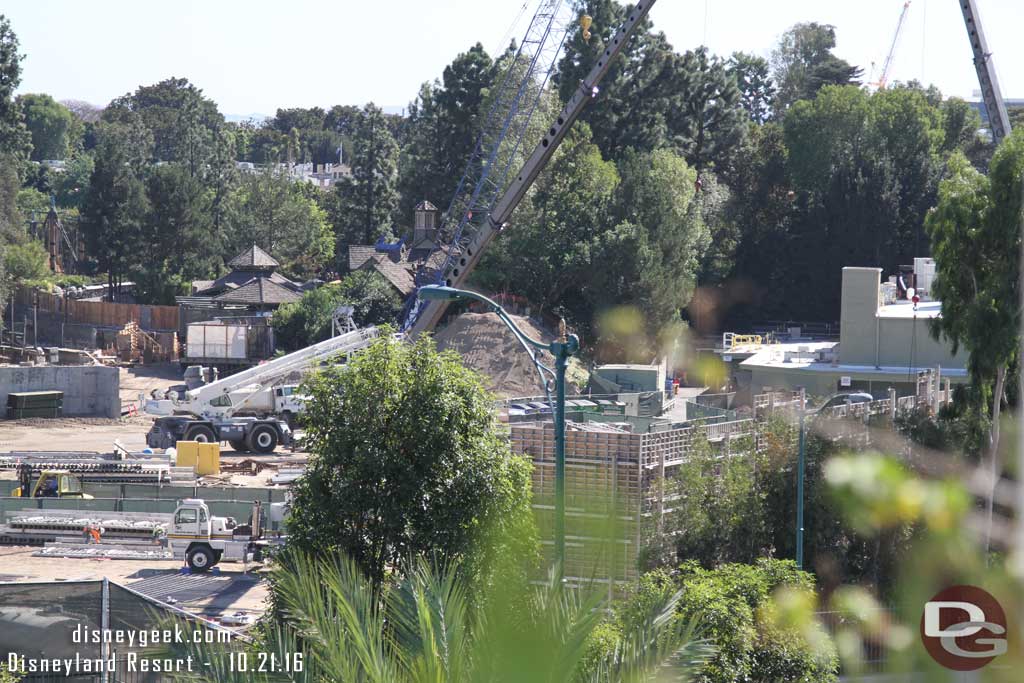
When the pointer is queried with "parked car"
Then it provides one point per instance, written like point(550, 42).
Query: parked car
point(847, 399)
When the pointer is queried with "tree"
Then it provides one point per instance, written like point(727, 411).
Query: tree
point(738, 606)
point(114, 214)
point(15, 140)
point(705, 117)
point(803, 63)
point(434, 625)
point(183, 123)
point(757, 89)
point(976, 231)
point(636, 94)
point(866, 168)
point(442, 129)
point(308, 321)
point(179, 232)
point(269, 209)
point(26, 262)
point(407, 459)
point(369, 199)
point(50, 124)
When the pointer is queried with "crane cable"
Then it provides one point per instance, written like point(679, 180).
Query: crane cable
point(508, 32)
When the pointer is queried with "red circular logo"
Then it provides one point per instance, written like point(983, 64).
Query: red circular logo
point(963, 628)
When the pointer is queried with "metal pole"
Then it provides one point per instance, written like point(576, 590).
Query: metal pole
point(800, 492)
point(561, 362)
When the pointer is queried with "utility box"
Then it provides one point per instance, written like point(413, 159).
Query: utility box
point(208, 459)
point(187, 455)
point(204, 458)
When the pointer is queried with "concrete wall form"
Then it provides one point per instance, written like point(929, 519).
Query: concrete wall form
point(89, 390)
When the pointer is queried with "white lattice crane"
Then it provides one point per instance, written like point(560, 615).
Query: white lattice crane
point(883, 78)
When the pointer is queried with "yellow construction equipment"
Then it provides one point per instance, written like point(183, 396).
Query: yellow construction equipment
point(49, 484)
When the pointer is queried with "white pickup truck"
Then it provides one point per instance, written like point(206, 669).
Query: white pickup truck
point(202, 540)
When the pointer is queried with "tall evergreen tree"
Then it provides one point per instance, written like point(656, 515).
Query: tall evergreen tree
point(705, 118)
point(369, 199)
point(757, 88)
point(114, 215)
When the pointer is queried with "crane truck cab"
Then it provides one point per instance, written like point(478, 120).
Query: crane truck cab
point(203, 540)
point(49, 484)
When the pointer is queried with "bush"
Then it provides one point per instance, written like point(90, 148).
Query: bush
point(308, 321)
point(747, 612)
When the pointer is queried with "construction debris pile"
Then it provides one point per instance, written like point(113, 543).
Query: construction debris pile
point(487, 345)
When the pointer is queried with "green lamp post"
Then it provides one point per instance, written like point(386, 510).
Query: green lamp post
point(562, 349)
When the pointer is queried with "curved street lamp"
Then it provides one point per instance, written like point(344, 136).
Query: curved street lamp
point(562, 349)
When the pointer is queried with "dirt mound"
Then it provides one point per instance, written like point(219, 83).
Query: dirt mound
point(488, 346)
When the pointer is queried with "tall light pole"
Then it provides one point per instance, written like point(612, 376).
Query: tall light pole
point(562, 349)
point(800, 488)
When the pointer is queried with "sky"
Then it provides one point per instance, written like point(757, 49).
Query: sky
point(255, 56)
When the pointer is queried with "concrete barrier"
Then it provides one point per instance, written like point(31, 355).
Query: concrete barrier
point(89, 390)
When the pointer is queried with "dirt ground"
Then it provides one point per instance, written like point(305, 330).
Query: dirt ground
point(142, 379)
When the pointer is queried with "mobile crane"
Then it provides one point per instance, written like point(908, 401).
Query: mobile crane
point(212, 412)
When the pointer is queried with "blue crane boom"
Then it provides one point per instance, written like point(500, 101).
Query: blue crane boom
point(484, 201)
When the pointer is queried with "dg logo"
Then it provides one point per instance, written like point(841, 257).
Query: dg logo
point(963, 628)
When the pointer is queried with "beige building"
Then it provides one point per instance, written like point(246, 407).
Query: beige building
point(883, 343)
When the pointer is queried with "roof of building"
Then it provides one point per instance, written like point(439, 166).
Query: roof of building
point(253, 258)
point(400, 275)
point(425, 206)
point(236, 279)
point(804, 357)
point(906, 310)
point(358, 254)
point(259, 290)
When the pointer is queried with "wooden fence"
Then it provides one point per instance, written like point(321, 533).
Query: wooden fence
point(101, 313)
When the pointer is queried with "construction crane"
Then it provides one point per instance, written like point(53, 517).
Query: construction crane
point(211, 412)
point(883, 79)
point(483, 201)
point(998, 117)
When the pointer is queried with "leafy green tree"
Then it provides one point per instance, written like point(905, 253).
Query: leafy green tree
point(26, 262)
point(298, 118)
point(757, 88)
point(803, 63)
point(15, 139)
point(269, 209)
point(976, 231)
point(653, 253)
point(308, 321)
point(73, 184)
point(182, 121)
point(551, 252)
point(369, 199)
point(866, 168)
point(407, 458)
point(735, 603)
point(50, 124)
point(116, 207)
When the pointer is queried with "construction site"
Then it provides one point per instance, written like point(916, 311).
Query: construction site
point(148, 452)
